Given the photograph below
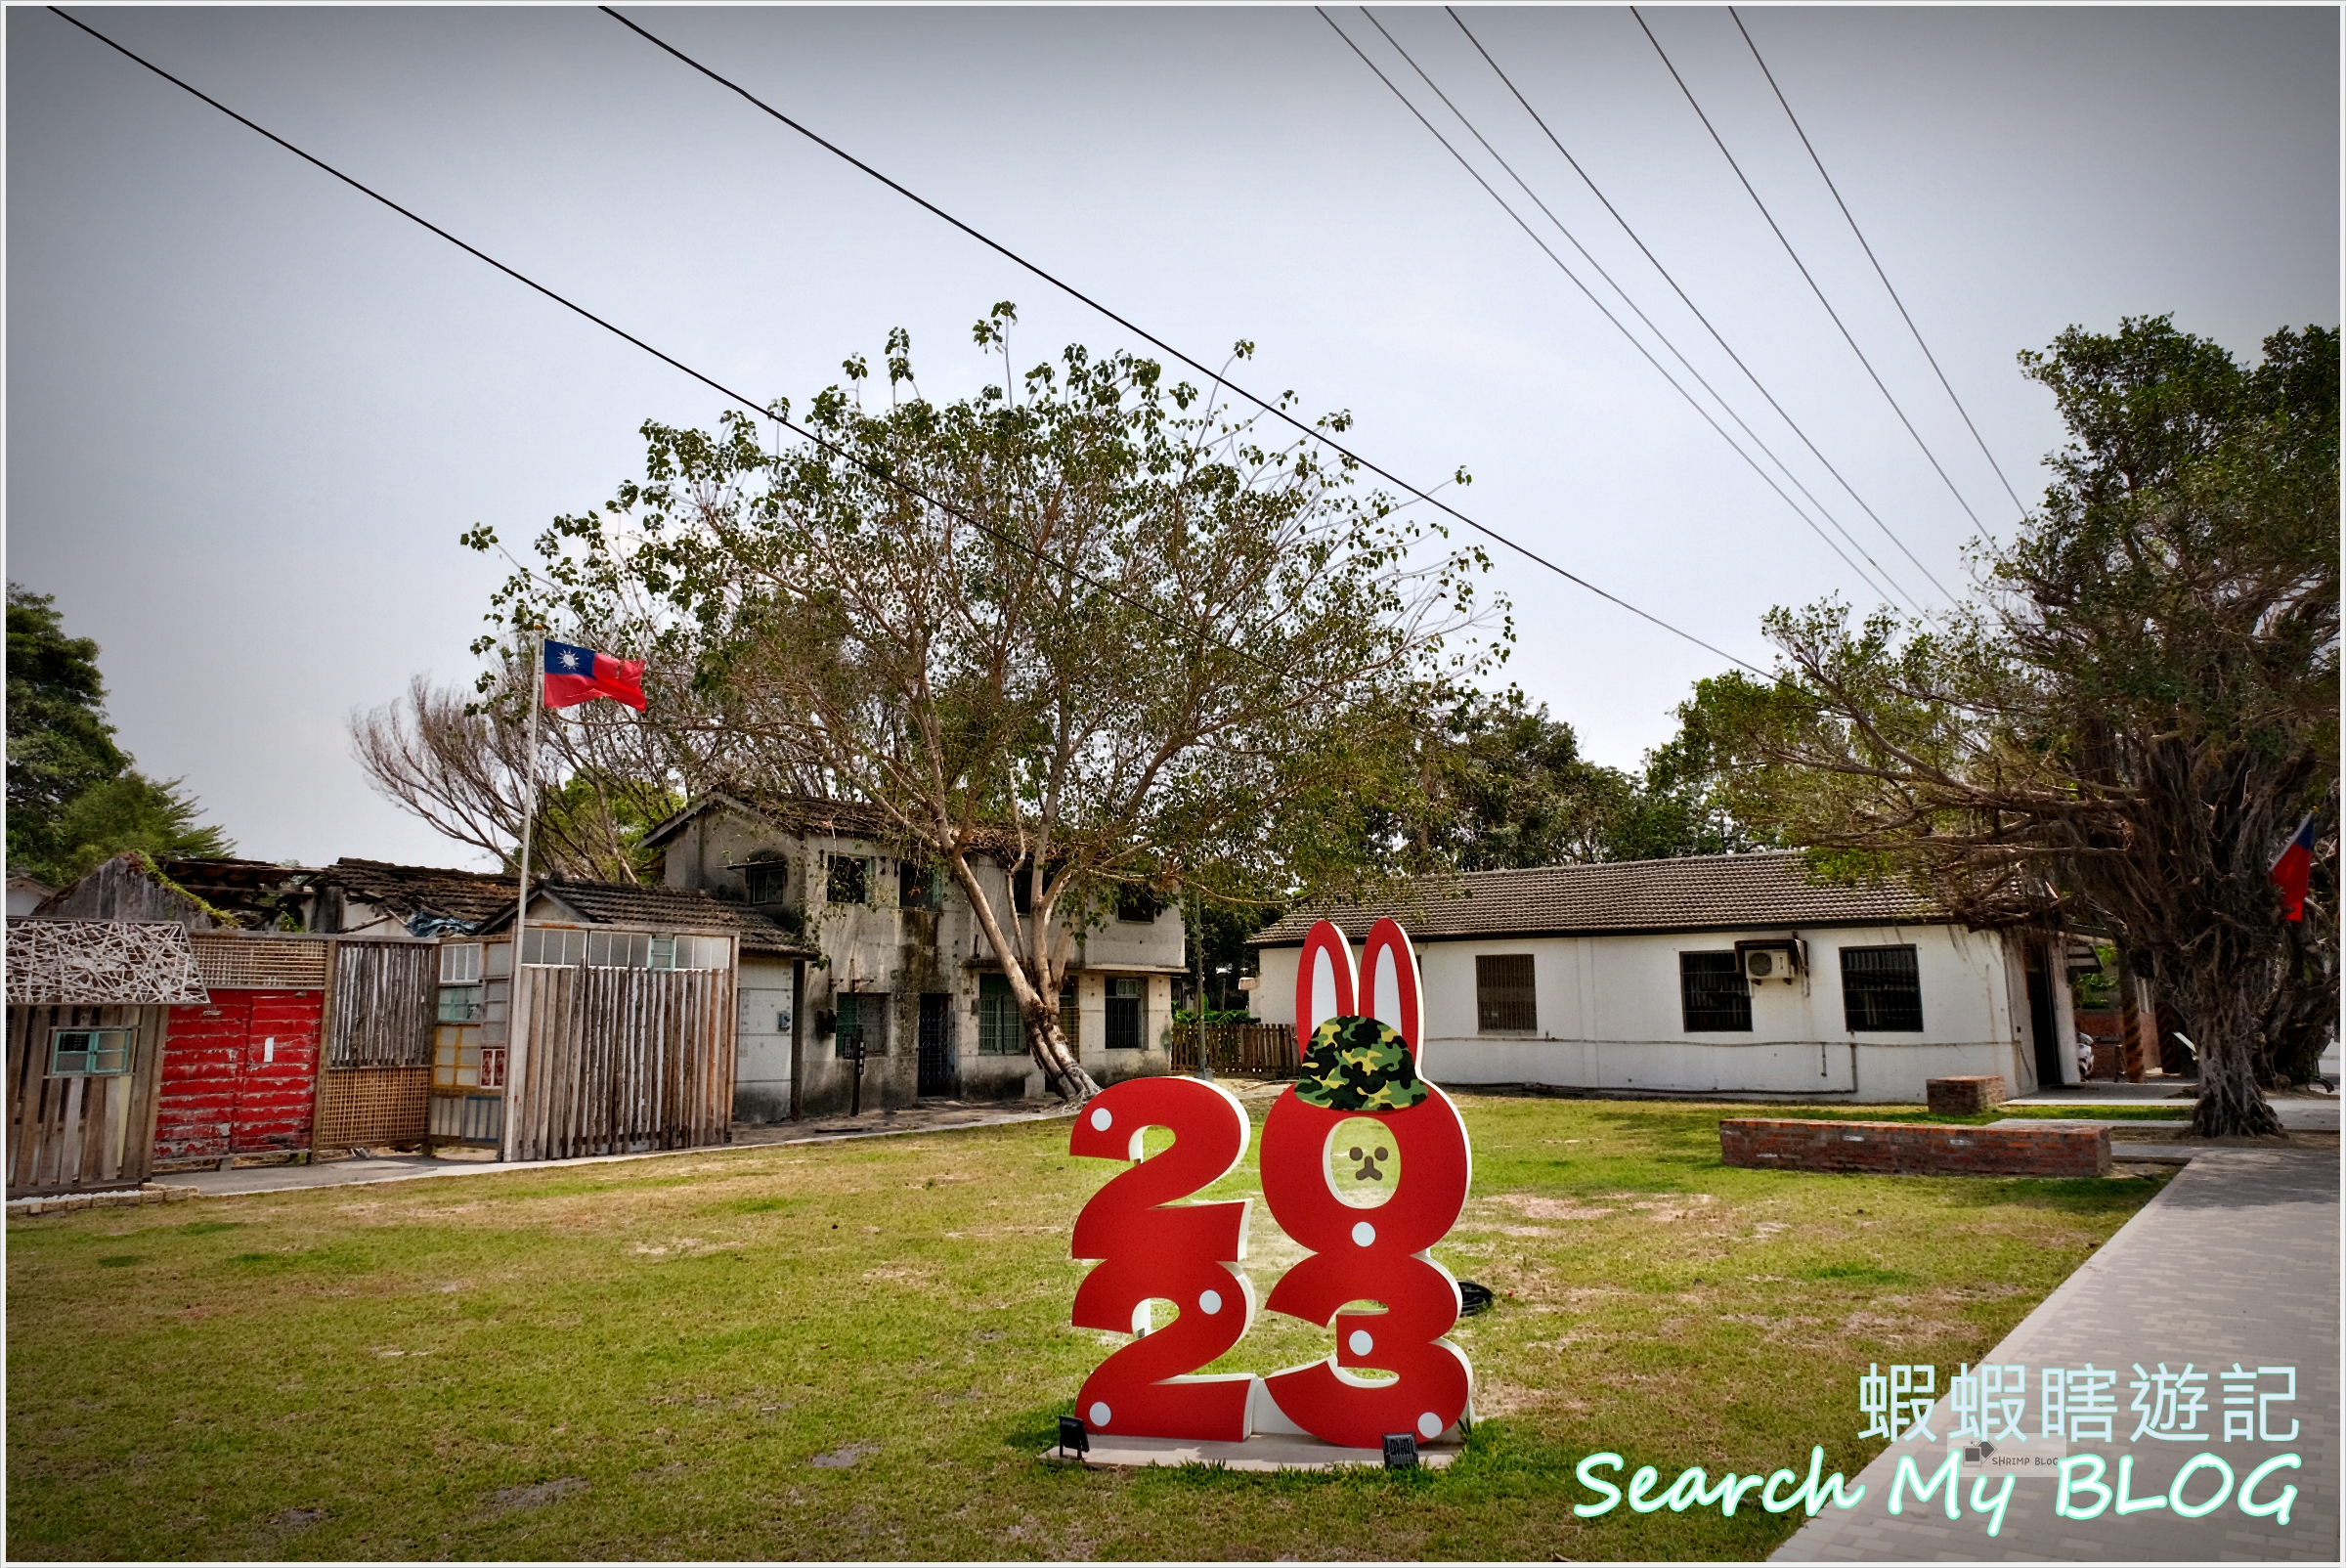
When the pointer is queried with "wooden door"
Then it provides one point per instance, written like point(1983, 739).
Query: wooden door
point(935, 1075)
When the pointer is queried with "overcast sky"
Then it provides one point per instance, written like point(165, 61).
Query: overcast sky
point(249, 411)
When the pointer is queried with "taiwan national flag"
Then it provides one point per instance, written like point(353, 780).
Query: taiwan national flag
point(2293, 869)
point(575, 674)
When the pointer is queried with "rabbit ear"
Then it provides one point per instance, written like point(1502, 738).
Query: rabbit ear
point(1324, 981)
point(1389, 992)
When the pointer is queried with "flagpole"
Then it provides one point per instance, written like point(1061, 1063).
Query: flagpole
point(516, 1022)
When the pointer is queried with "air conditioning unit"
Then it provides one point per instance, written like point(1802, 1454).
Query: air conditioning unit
point(1763, 962)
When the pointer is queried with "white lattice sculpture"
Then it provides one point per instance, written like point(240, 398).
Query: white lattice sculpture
point(97, 963)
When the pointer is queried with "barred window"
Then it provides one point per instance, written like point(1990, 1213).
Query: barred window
point(999, 1032)
point(1713, 993)
point(1125, 995)
point(862, 1016)
point(89, 1052)
point(1071, 1017)
point(1506, 1000)
point(1881, 989)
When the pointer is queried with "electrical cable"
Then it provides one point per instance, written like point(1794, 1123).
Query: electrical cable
point(1878, 272)
point(1274, 410)
point(1667, 276)
point(876, 470)
point(1642, 350)
point(1721, 142)
point(1897, 588)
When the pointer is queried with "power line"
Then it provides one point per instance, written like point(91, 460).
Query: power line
point(876, 470)
point(1642, 350)
point(1721, 142)
point(1274, 410)
point(1716, 335)
point(1878, 272)
point(1895, 586)
point(1602, 310)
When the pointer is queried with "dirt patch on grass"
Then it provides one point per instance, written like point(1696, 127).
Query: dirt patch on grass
point(1549, 1208)
point(843, 1458)
point(290, 1522)
point(513, 1499)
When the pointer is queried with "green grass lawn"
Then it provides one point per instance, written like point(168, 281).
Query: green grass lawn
point(859, 1350)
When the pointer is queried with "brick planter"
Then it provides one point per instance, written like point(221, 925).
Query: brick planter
point(1963, 1097)
point(1907, 1148)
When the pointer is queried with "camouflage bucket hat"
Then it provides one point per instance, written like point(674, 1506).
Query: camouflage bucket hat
point(1361, 1064)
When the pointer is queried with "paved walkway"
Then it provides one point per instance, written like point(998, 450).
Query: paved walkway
point(2235, 1262)
point(2301, 1111)
point(930, 1116)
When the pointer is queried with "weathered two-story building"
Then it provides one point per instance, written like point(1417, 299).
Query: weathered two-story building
point(905, 974)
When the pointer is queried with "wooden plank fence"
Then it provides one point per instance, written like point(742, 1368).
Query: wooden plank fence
point(386, 995)
point(1240, 1050)
point(622, 1060)
point(376, 1083)
point(80, 1132)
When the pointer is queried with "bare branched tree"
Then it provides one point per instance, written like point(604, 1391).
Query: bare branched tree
point(459, 761)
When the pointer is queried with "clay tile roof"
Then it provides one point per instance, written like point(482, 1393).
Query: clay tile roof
point(484, 901)
point(662, 908)
point(811, 815)
point(472, 897)
point(1698, 892)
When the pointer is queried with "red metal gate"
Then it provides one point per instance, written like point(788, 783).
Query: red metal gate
point(239, 1075)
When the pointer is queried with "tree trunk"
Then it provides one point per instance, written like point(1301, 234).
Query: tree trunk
point(1049, 1047)
point(2230, 1104)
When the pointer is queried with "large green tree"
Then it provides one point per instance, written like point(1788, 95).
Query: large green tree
point(1678, 802)
point(74, 798)
point(1086, 623)
point(2135, 715)
point(1498, 783)
point(1502, 784)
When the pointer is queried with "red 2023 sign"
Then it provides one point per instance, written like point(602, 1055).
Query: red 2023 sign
point(1154, 1247)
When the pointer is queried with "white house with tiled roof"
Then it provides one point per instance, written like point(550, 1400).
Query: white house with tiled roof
point(1727, 974)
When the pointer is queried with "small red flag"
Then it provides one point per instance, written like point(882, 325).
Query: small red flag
point(2294, 870)
point(575, 674)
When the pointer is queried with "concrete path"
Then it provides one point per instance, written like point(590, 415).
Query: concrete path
point(2298, 1111)
point(2236, 1262)
point(928, 1116)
